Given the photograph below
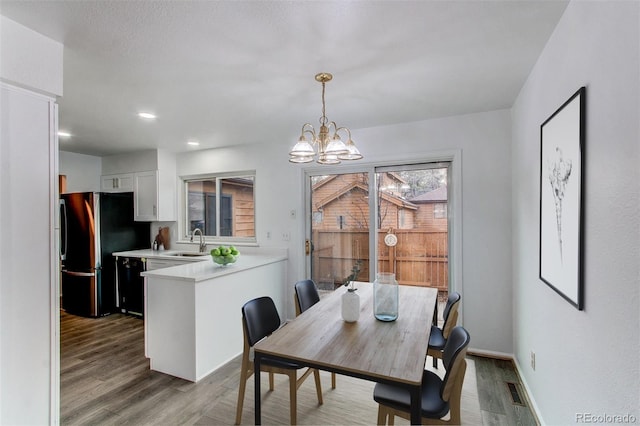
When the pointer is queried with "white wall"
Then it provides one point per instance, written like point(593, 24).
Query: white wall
point(82, 171)
point(586, 361)
point(483, 140)
point(29, 59)
point(139, 161)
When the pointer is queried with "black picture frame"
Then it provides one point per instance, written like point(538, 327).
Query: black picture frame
point(562, 140)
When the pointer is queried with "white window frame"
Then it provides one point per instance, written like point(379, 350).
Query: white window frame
point(183, 226)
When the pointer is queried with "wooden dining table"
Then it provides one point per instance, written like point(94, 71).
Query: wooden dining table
point(385, 352)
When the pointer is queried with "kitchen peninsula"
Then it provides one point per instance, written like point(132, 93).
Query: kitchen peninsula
point(193, 322)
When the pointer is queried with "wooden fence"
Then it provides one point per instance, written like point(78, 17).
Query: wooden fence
point(419, 258)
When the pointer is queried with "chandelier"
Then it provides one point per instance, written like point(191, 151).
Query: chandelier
point(330, 148)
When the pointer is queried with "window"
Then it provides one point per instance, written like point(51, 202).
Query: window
point(401, 218)
point(317, 217)
point(439, 211)
point(222, 206)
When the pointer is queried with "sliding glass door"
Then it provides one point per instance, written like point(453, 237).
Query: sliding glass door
point(384, 219)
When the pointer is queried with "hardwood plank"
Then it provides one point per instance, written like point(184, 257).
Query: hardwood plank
point(495, 399)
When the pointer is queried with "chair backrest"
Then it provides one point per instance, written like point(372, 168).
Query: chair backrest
point(306, 295)
point(453, 358)
point(450, 314)
point(260, 318)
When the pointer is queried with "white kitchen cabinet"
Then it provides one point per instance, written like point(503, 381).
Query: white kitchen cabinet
point(117, 183)
point(29, 212)
point(154, 196)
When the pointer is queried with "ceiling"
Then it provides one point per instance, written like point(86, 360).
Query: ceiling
point(242, 72)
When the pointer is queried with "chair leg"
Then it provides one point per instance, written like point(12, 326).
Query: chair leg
point(271, 384)
point(333, 380)
point(385, 415)
point(241, 390)
point(435, 362)
point(316, 376)
point(293, 376)
point(382, 416)
point(391, 418)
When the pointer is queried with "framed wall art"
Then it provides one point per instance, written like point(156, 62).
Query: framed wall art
point(562, 138)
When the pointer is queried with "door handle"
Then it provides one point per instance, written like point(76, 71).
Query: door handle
point(307, 247)
point(80, 274)
point(63, 229)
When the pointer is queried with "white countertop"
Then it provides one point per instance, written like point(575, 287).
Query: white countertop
point(206, 269)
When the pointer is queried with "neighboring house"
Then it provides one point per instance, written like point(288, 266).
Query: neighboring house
point(236, 205)
point(432, 210)
point(341, 202)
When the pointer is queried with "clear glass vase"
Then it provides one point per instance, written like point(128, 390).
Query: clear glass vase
point(385, 297)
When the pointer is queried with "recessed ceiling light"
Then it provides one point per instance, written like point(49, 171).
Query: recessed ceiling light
point(64, 134)
point(147, 115)
point(193, 143)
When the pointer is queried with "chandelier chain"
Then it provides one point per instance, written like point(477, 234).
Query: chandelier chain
point(323, 119)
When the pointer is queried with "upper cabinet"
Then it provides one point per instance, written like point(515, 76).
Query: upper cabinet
point(151, 175)
point(117, 183)
point(154, 196)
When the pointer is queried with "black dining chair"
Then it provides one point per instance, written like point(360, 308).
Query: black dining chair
point(438, 336)
point(259, 319)
point(439, 396)
point(306, 295)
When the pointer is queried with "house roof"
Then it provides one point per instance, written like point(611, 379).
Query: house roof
point(362, 187)
point(434, 196)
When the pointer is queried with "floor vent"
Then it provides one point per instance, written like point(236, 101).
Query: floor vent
point(514, 392)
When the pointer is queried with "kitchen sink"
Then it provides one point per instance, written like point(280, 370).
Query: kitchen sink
point(189, 254)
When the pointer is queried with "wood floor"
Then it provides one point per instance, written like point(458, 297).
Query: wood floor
point(496, 403)
point(105, 380)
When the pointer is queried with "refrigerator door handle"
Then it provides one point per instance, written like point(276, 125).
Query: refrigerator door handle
point(63, 229)
point(80, 274)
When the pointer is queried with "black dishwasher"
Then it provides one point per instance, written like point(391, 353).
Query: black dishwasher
point(130, 285)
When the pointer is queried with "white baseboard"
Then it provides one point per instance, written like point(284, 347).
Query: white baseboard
point(532, 400)
point(504, 355)
point(490, 354)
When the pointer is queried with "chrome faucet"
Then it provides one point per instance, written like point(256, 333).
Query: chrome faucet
point(203, 245)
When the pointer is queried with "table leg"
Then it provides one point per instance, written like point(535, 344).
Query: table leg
point(416, 405)
point(256, 375)
point(435, 313)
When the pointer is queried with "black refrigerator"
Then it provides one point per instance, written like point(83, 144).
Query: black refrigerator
point(94, 225)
